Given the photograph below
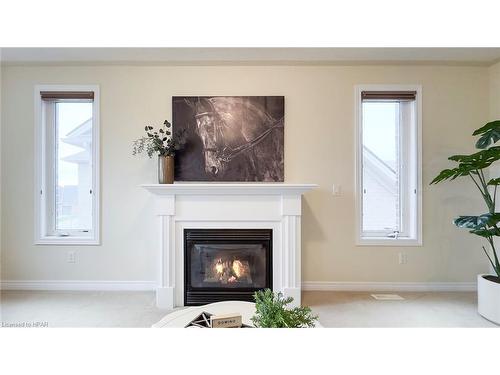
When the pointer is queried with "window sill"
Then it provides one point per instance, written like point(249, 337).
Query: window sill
point(71, 240)
point(387, 242)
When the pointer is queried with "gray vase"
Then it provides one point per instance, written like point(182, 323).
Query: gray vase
point(165, 169)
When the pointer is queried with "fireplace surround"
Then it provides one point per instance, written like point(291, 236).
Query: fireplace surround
point(185, 206)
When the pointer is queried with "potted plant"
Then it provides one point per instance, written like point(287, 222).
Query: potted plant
point(486, 225)
point(161, 142)
point(271, 312)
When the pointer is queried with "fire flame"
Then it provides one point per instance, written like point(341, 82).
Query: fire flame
point(219, 267)
point(229, 271)
point(237, 268)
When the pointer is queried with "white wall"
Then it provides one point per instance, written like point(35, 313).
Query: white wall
point(494, 72)
point(319, 148)
point(494, 80)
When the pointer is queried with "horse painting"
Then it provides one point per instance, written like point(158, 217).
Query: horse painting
point(230, 138)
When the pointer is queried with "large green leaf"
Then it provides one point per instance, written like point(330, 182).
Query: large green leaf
point(469, 164)
point(451, 174)
point(490, 232)
point(445, 174)
point(460, 158)
point(478, 222)
point(494, 182)
point(480, 159)
point(490, 134)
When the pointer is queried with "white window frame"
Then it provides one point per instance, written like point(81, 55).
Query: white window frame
point(41, 212)
point(361, 240)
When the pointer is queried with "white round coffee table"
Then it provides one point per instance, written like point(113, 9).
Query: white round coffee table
point(180, 318)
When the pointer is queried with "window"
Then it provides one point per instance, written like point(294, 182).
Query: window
point(67, 165)
point(388, 165)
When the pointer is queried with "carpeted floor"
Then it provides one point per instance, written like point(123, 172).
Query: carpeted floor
point(359, 309)
point(335, 309)
point(80, 309)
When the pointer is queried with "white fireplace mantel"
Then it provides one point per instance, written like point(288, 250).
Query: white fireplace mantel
point(228, 189)
point(182, 206)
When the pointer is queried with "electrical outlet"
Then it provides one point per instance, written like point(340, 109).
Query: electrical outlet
point(403, 259)
point(336, 189)
point(71, 257)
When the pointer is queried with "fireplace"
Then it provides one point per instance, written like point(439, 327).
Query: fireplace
point(226, 264)
point(183, 206)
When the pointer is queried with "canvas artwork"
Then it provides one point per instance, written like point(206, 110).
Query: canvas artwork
point(230, 138)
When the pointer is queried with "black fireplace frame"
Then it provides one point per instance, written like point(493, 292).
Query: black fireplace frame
point(200, 296)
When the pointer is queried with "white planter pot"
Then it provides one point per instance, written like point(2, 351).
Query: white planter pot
point(488, 299)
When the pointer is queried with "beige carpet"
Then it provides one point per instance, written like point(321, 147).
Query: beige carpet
point(80, 309)
point(335, 309)
point(359, 309)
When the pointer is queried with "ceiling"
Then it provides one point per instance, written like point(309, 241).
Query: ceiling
point(469, 56)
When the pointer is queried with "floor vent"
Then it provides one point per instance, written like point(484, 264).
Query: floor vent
point(387, 297)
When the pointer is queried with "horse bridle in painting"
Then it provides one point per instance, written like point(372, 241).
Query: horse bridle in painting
point(229, 153)
point(226, 153)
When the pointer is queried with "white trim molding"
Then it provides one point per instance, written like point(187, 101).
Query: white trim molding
point(78, 285)
point(415, 239)
point(183, 188)
point(384, 286)
point(337, 286)
point(41, 237)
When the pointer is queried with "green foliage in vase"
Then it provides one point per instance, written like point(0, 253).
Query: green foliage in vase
point(474, 167)
point(271, 312)
point(160, 141)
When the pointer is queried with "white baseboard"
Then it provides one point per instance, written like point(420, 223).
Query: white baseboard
point(361, 286)
point(76, 285)
point(348, 286)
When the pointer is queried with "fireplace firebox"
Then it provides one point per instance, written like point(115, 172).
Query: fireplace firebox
point(226, 264)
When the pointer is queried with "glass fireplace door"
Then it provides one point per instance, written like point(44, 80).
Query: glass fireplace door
point(228, 266)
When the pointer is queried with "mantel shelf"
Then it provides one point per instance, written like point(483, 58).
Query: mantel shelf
point(228, 188)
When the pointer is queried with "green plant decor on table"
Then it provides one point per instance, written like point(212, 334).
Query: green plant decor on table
point(160, 142)
point(474, 166)
point(271, 312)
